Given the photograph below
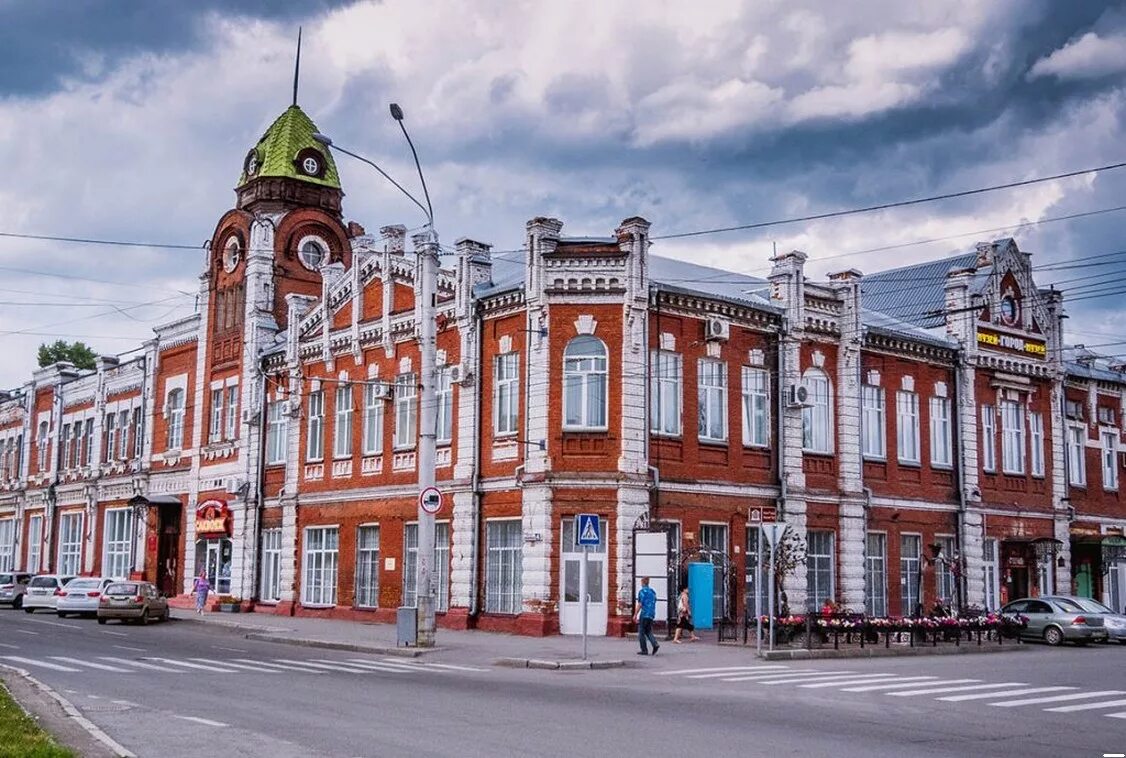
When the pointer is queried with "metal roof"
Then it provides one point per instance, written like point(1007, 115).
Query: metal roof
point(911, 292)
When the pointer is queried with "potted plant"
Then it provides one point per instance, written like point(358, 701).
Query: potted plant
point(229, 604)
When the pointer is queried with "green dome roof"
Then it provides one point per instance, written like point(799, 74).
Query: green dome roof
point(284, 151)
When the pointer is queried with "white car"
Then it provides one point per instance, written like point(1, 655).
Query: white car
point(43, 591)
point(81, 595)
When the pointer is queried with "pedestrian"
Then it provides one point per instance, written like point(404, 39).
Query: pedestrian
point(684, 618)
point(202, 587)
point(646, 612)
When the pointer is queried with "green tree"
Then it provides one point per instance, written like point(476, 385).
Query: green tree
point(78, 353)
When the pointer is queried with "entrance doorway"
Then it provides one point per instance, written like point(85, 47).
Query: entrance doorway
point(214, 556)
point(168, 579)
point(1018, 582)
point(571, 573)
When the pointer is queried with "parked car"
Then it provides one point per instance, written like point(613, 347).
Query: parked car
point(12, 587)
point(1115, 622)
point(1058, 619)
point(132, 601)
point(43, 591)
point(81, 596)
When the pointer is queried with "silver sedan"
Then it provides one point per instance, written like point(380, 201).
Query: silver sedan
point(1058, 619)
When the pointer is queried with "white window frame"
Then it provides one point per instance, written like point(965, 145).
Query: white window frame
point(70, 543)
point(1077, 455)
point(946, 581)
point(441, 565)
point(366, 592)
point(42, 445)
point(342, 422)
point(909, 573)
point(7, 544)
point(444, 396)
point(907, 427)
point(717, 537)
point(504, 542)
point(876, 574)
point(315, 427)
point(711, 385)
point(814, 570)
point(666, 389)
point(406, 412)
point(276, 428)
point(138, 434)
point(123, 435)
point(117, 543)
point(873, 419)
point(88, 443)
point(271, 565)
point(990, 577)
point(373, 419)
point(817, 416)
point(942, 436)
point(506, 394)
point(988, 439)
point(320, 565)
point(1012, 437)
point(215, 432)
point(232, 406)
point(1109, 454)
point(176, 400)
point(755, 384)
point(111, 437)
point(67, 446)
point(586, 366)
point(34, 543)
point(1036, 434)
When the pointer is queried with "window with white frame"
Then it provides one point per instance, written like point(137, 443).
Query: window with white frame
point(367, 566)
point(34, 543)
point(1077, 455)
point(817, 415)
point(714, 537)
point(322, 545)
point(1012, 437)
point(989, 574)
point(946, 580)
point(111, 437)
point(342, 423)
point(176, 419)
point(410, 565)
point(876, 575)
point(712, 383)
point(1105, 415)
point(665, 392)
point(7, 544)
point(942, 438)
point(373, 419)
point(907, 426)
point(445, 399)
point(506, 393)
point(1046, 576)
point(988, 439)
point(88, 443)
point(441, 565)
point(1036, 432)
point(232, 412)
point(756, 406)
point(315, 427)
point(406, 411)
point(123, 434)
point(1110, 459)
point(275, 433)
point(70, 543)
point(68, 448)
point(819, 567)
point(138, 434)
point(117, 546)
point(271, 564)
point(585, 376)
point(910, 553)
point(873, 437)
point(504, 566)
point(215, 432)
point(42, 445)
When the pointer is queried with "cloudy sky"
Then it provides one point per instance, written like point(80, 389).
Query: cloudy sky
point(129, 121)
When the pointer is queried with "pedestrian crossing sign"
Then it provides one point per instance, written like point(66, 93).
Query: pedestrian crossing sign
point(587, 530)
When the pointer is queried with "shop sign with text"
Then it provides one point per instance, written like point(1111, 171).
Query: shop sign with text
point(1010, 343)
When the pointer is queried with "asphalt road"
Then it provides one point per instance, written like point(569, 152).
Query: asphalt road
point(186, 690)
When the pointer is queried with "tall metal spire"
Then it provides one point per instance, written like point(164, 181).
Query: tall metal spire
point(297, 66)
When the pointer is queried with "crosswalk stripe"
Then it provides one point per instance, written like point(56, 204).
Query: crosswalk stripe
point(1116, 715)
point(705, 671)
point(369, 665)
point(139, 664)
point(905, 684)
point(231, 664)
point(801, 679)
point(90, 664)
point(1010, 693)
point(347, 668)
point(935, 691)
point(190, 665)
point(44, 664)
point(749, 669)
point(1086, 706)
point(450, 666)
point(870, 679)
point(1057, 698)
point(281, 666)
point(776, 674)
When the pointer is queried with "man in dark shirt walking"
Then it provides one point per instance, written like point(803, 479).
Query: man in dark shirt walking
point(646, 612)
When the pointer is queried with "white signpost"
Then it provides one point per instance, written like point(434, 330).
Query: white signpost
point(587, 534)
point(773, 531)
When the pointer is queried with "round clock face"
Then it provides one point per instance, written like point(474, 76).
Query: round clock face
point(1010, 311)
point(251, 164)
point(232, 254)
point(311, 166)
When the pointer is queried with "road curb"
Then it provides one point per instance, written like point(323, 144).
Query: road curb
point(882, 652)
point(71, 712)
point(403, 652)
point(540, 663)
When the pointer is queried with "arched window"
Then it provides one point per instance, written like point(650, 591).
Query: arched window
point(817, 415)
point(584, 383)
point(175, 419)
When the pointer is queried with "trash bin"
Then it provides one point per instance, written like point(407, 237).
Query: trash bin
point(406, 626)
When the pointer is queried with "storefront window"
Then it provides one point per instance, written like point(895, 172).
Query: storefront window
point(214, 557)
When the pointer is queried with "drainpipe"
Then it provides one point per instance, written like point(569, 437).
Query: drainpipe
point(52, 489)
point(260, 485)
point(959, 478)
point(783, 330)
point(475, 546)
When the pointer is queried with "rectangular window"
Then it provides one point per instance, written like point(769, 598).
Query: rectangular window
point(1046, 577)
point(988, 439)
point(232, 412)
point(506, 393)
point(42, 446)
point(1077, 455)
point(88, 443)
point(342, 423)
point(138, 434)
point(714, 537)
point(322, 546)
point(123, 435)
point(406, 411)
point(910, 546)
point(367, 566)
point(756, 405)
point(410, 565)
point(275, 433)
point(7, 544)
point(942, 438)
point(216, 429)
point(440, 573)
point(907, 426)
point(1073, 409)
point(712, 382)
point(945, 578)
point(445, 399)
point(315, 441)
point(1105, 415)
point(665, 393)
point(1012, 437)
point(176, 419)
point(68, 449)
point(373, 419)
point(117, 552)
point(873, 438)
point(817, 415)
point(1036, 431)
point(34, 543)
point(990, 575)
point(819, 567)
point(876, 575)
point(70, 543)
point(271, 564)
point(504, 566)
point(1110, 460)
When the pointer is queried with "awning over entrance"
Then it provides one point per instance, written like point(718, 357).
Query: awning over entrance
point(155, 500)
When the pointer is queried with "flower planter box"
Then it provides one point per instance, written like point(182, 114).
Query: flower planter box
point(228, 607)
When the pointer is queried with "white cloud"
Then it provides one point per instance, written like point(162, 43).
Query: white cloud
point(1085, 58)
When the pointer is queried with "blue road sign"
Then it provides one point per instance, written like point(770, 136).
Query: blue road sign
point(587, 531)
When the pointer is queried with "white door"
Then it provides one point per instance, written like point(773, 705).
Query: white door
point(571, 573)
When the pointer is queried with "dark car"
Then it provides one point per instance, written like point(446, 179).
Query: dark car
point(1058, 619)
point(132, 601)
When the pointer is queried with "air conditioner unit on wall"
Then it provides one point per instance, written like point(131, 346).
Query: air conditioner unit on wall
point(798, 396)
point(717, 329)
point(234, 485)
point(381, 391)
point(248, 415)
point(457, 373)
